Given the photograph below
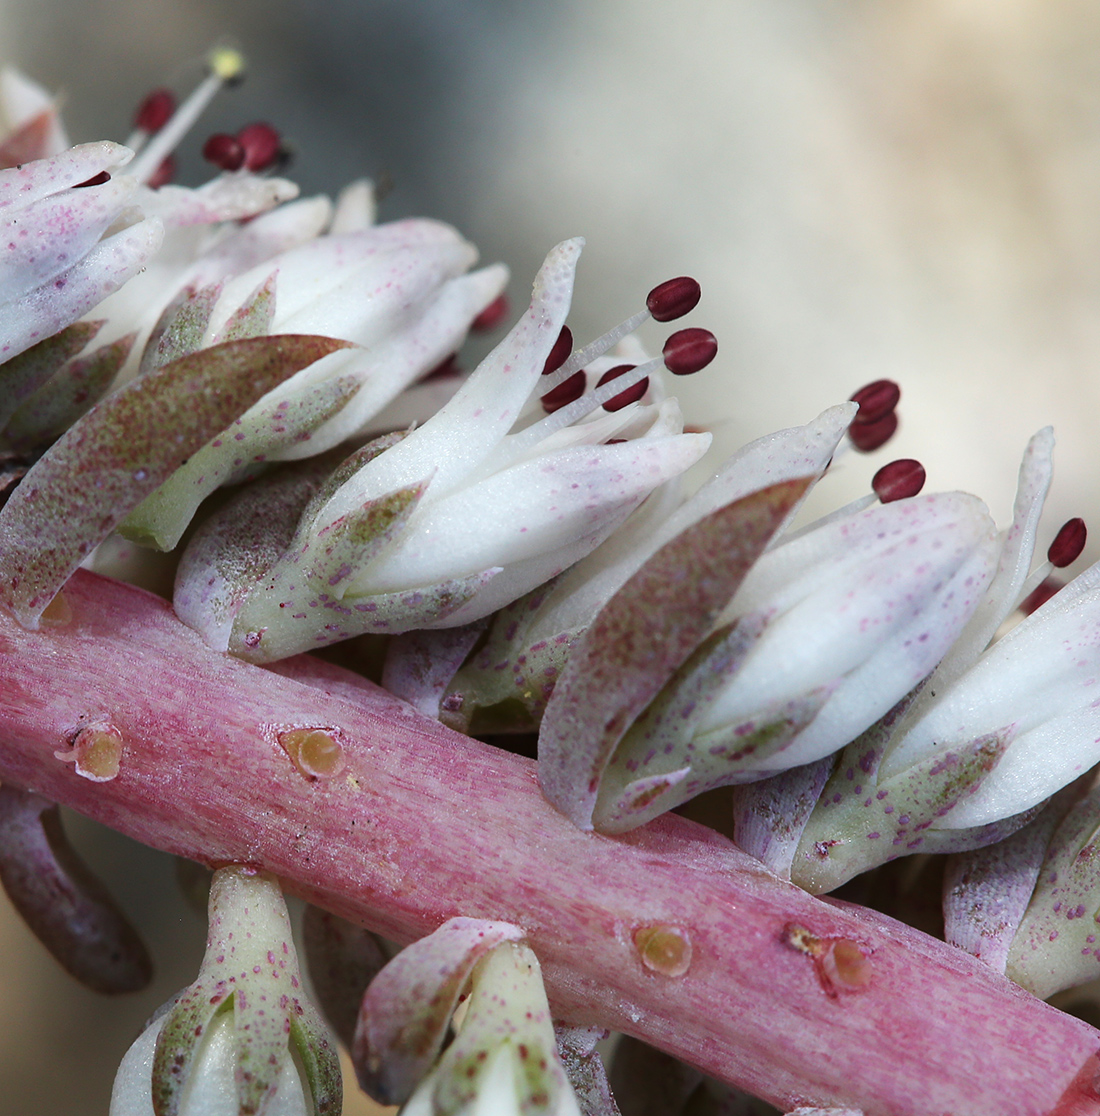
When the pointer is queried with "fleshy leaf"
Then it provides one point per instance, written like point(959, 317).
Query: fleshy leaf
point(642, 635)
point(508, 1019)
point(320, 1059)
point(420, 664)
point(1056, 945)
point(860, 822)
point(130, 442)
point(181, 327)
point(408, 1007)
point(986, 891)
point(770, 815)
point(585, 1070)
point(68, 394)
point(67, 908)
point(24, 374)
point(664, 738)
point(270, 632)
point(236, 546)
point(253, 317)
point(162, 517)
point(343, 959)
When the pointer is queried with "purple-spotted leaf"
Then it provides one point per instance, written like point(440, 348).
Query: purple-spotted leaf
point(65, 906)
point(251, 969)
point(254, 317)
point(642, 635)
point(264, 634)
point(420, 664)
point(236, 547)
point(585, 1069)
point(180, 328)
point(861, 822)
point(119, 452)
point(1056, 945)
point(68, 394)
point(408, 1007)
point(504, 1058)
point(162, 517)
point(770, 815)
point(343, 959)
point(987, 890)
point(24, 374)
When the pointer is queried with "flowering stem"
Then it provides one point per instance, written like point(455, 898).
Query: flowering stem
point(668, 933)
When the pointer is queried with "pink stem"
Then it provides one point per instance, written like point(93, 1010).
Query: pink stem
point(423, 824)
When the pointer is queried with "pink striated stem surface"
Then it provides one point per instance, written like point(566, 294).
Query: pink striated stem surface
point(798, 1000)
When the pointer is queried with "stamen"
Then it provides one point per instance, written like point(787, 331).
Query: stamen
point(491, 316)
point(899, 480)
point(876, 400)
point(1066, 548)
point(224, 151)
point(1068, 544)
point(689, 350)
point(673, 298)
point(583, 357)
point(262, 144)
point(163, 174)
point(564, 394)
point(868, 436)
point(95, 180)
point(225, 66)
point(1040, 595)
point(560, 352)
point(155, 111)
point(631, 395)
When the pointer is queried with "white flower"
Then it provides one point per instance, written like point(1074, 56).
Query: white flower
point(1036, 692)
point(453, 521)
point(66, 249)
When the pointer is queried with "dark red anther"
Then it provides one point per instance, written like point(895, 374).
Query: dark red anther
point(1068, 543)
point(559, 354)
point(631, 395)
point(262, 146)
point(1040, 595)
point(155, 111)
point(163, 174)
point(224, 151)
point(95, 180)
point(876, 400)
point(899, 480)
point(673, 298)
point(688, 350)
point(566, 392)
point(491, 316)
point(868, 436)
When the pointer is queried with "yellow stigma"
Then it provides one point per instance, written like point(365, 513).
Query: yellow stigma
point(225, 63)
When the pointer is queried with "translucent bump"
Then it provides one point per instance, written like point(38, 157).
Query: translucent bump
point(664, 949)
point(96, 751)
point(316, 752)
point(57, 613)
point(847, 964)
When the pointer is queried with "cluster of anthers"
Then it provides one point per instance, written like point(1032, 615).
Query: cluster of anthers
point(516, 547)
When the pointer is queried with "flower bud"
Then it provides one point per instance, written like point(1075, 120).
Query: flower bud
point(243, 1038)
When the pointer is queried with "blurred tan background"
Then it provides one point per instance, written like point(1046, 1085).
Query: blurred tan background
point(907, 189)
